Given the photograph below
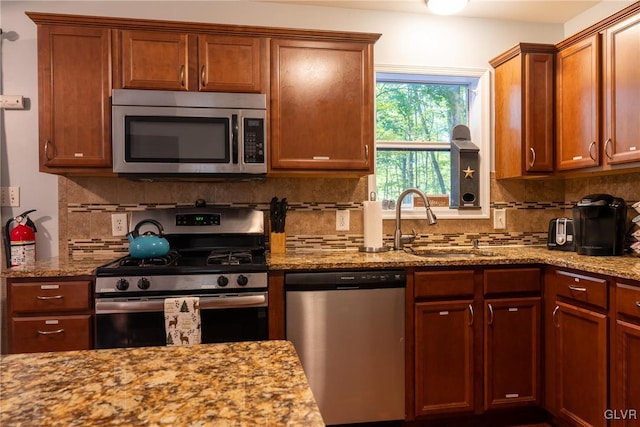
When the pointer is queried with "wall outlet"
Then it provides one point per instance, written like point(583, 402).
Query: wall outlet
point(12, 102)
point(499, 219)
point(10, 196)
point(342, 220)
point(119, 224)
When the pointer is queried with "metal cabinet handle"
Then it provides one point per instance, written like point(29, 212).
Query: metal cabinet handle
point(366, 154)
point(490, 315)
point(182, 75)
point(202, 77)
point(593, 144)
point(638, 304)
point(577, 288)
point(472, 315)
point(57, 331)
point(554, 316)
point(46, 150)
point(606, 149)
point(41, 297)
point(533, 157)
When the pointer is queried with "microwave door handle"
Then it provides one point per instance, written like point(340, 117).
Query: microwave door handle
point(234, 138)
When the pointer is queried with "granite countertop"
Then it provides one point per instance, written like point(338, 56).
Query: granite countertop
point(235, 384)
point(627, 266)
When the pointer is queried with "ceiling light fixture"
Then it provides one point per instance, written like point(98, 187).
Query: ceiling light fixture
point(446, 7)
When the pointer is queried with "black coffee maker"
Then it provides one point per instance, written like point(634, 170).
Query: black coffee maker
point(600, 225)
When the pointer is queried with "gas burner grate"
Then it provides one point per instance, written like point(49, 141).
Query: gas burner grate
point(229, 258)
point(167, 260)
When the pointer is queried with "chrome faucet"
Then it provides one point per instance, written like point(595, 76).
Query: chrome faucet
point(399, 239)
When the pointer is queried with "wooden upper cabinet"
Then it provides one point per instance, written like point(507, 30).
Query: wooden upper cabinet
point(155, 60)
point(74, 86)
point(322, 106)
point(230, 63)
point(524, 131)
point(191, 62)
point(622, 92)
point(577, 104)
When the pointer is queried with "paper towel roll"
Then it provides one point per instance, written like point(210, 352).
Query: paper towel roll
point(372, 224)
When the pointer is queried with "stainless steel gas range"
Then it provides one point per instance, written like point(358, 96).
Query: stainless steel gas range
point(217, 254)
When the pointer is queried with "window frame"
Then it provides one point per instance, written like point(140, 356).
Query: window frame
point(480, 126)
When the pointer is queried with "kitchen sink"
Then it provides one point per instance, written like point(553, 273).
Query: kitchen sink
point(446, 253)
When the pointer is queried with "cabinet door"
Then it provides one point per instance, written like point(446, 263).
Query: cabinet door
point(155, 60)
point(622, 92)
point(230, 63)
point(512, 352)
point(577, 98)
point(524, 115)
point(74, 105)
point(444, 357)
point(581, 365)
point(321, 106)
point(626, 397)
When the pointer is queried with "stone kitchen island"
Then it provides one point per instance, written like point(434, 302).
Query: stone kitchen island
point(234, 384)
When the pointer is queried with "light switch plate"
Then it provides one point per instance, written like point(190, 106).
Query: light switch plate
point(10, 196)
point(499, 219)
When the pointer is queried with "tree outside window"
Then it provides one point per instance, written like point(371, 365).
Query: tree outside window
point(414, 118)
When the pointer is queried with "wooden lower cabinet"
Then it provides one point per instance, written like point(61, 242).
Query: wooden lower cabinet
point(581, 365)
point(444, 357)
point(512, 352)
point(49, 314)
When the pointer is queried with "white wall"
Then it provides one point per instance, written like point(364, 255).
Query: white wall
point(598, 12)
point(408, 39)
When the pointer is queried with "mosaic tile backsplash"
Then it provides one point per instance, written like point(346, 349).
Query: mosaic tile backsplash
point(86, 205)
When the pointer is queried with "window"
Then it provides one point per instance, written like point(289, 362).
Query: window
point(415, 112)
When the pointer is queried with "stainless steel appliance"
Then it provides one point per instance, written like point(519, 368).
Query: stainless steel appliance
point(158, 134)
point(561, 235)
point(348, 330)
point(217, 255)
point(600, 222)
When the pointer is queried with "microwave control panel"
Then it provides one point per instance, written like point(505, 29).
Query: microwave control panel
point(254, 140)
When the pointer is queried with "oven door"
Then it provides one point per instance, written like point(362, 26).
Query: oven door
point(139, 322)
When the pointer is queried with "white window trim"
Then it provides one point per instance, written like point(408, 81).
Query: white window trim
point(480, 127)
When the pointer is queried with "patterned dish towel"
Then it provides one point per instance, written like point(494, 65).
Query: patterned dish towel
point(182, 320)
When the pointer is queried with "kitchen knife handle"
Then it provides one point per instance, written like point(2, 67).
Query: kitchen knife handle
point(203, 82)
point(593, 144)
point(606, 149)
point(533, 157)
point(490, 314)
point(182, 75)
point(555, 316)
point(472, 315)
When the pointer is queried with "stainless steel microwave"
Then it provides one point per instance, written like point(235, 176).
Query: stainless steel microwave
point(171, 134)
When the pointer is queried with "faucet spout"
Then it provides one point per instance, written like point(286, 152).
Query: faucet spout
point(399, 239)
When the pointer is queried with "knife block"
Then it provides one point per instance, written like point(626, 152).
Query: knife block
point(278, 242)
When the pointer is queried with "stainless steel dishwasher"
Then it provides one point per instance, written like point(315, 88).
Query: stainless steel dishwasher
point(348, 330)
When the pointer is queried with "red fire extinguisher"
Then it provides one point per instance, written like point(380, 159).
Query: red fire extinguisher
point(20, 242)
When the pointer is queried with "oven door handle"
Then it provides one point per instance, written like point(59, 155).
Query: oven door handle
point(139, 306)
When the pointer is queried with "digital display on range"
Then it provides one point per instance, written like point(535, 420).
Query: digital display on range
point(198, 219)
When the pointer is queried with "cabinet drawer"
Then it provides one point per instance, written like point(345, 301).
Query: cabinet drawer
point(590, 290)
point(628, 300)
point(50, 297)
point(38, 334)
point(512, 280)
point(443, 283)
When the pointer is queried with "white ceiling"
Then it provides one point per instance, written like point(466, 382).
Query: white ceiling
point(546, 11)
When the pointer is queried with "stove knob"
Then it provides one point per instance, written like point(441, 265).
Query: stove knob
point(122, 284)
point(144, 283)
point(242, 280)
point(223, 281)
